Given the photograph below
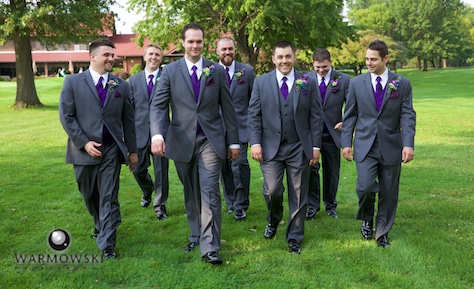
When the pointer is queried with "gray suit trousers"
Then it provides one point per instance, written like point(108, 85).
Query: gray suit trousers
point(236, 180)
point(99, 186)
point(200, 179)
point(290, 158)
point(373, 177)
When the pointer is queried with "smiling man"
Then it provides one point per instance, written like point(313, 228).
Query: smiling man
point(285, 129)
point(379, 109)
point(202, 133)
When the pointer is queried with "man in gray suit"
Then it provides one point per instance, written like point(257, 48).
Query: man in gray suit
point(236, 174)
point(142, 86)
point(333, 87)
point(202, 133)
point(97, 114)
point(285, 126)
point(379, 108)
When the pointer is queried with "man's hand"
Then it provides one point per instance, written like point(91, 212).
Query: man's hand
point(347, 153)
point(91, 148)
point(233, 154)
point(158, 147)
point(132, 161)
point(338, 126)
point(407, 154)
point(256, 151)
point(315, 159)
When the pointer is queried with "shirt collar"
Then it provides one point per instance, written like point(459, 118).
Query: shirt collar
point(190, 65)
point(155, 74)
point(95, 77)
point(383, 76)
point(327, 77)
point(290, 77)
point(231, 67)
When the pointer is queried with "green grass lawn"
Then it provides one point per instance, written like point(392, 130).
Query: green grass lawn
point(432, 241)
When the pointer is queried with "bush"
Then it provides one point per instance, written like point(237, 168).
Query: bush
point(135, 69)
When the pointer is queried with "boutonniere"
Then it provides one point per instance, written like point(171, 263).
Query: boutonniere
point(393, 87)
point(333, 83)
point(112, 84)
point(301, 82)
point(208, 71)
point(238, 75)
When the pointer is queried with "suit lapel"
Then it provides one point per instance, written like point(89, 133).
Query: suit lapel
point(296, 97)
point(234, 81)
point(110, 91)
point(370, 89)
point(186, 76)
point(275, 89)
point(391, 76)
point(204, 80)
point(90, 83)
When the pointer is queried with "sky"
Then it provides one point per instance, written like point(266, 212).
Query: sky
point(124, 26)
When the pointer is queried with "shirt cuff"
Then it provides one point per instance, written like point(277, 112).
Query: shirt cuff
point(234, 146)
point(157, 137)
point(316, 149)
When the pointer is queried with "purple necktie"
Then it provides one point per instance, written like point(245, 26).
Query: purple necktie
point(284, 88)
point(195, 82)
point(101, 91)
point(378, 93)
point(150, 85)
point(227, 76)
point(322, 90)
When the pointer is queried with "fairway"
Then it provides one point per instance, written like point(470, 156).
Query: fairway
point(432, 240)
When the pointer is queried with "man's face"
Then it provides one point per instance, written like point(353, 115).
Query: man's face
point(102, 59)
point(322, 67)
point(153, 58)
point(225, 51)
point(374, 61)
point(193, 44)
point(284, 59)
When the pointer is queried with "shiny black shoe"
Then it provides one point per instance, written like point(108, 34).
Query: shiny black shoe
point(310, 213)
point(270, 231)
point(294, 247)
point(161, 217)
point(230, 210)
point(383, 242)
point(367, 230)
point(109, 254)
point(212, 258)
point(95, 234)
point(240, 215)
point(332, 214)
point(191, 246)
point(145, 202)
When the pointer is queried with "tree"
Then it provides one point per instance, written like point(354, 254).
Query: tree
point(51, 22)
point(255, 25)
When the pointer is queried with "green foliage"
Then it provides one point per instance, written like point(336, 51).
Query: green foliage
point(136, 69)
point(254, 24)
point(432, 241)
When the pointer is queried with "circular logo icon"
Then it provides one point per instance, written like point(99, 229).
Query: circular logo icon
point(59, 240)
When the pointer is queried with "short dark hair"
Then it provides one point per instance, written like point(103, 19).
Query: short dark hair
point(282, 44)
point(321, 54)
point(100, 42)
point(191, 25)
point(380, 46)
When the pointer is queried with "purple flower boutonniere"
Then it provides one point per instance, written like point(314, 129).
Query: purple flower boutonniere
point(112, 84)
point(301, 82)
point(333, 83)
point(392, 88)
point(238, 75)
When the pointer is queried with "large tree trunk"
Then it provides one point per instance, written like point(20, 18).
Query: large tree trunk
point(247, 52)
point(26, 95)
point(425, 65)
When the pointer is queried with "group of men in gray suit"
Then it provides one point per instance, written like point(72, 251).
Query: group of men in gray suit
point(289, 118)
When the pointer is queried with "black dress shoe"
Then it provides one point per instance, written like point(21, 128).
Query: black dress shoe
point(190, 247)
point(294, 247)
point(270, 231)
point(240, 215)
point(383, 242)
point(145, 202)
point(161, 217)
point(95, 234)
point(230, 211)
point(367, 230)
point(212, 258)
point(332, 214)
point(109, 254)
point(311, 212)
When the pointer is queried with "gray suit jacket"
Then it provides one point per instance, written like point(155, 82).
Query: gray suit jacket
point(139, 94)
point(333, 102)
point(83, 117)
point(240, 90)
point(394, 125)
point(176, 91)
point(265, 121)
